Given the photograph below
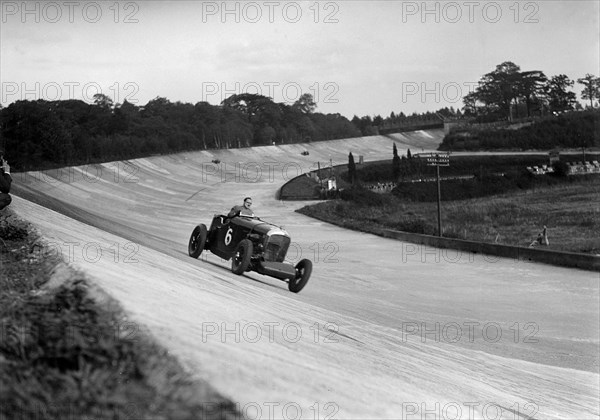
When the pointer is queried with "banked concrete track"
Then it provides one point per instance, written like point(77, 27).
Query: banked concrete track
point(384, 329)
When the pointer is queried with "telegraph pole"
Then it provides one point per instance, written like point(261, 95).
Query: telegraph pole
point(437, 160)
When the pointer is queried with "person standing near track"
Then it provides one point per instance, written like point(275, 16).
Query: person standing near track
point(5, 182)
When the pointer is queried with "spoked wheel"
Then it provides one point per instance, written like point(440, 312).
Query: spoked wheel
point(197, 241)
point(241, 256)
point(303, 272)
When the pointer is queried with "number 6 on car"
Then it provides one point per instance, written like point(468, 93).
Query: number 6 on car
point(228, 236)
point(252, 245)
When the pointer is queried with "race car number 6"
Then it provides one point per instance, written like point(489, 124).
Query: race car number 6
point(228, 236)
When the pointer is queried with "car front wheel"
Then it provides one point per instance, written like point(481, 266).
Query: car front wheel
point(197, 241)
point(303, 272)
point(241, 257)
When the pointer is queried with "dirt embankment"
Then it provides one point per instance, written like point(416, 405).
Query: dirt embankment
point(68, 350)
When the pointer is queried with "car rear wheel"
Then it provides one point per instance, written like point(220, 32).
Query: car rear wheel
point(241, 256)
point(303, 272)
point(197, 241)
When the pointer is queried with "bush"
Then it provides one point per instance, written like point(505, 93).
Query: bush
point(414, 226)
point(561, 169)
point(363, 197)
point(568, 130)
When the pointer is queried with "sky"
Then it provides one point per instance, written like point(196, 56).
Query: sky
point(355, 57)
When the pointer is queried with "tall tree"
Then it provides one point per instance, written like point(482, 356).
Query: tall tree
point(470, 104)
point(262, 113)
point(103, 101)
point(591, 89)
point(351, 168)
point(531, 87)
point(502, 90)
point(499, 87)
point(395, 164)
point(559, 97)
point(157, 107)
point(305, 104)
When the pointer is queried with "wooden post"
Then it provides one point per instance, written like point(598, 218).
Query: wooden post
point(439, 200)
point(438, 160)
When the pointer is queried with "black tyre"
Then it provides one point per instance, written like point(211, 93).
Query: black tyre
point(241, 256)
point(197, 241)
point(303, 272)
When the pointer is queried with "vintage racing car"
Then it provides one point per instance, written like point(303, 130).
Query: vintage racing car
point(252, 245)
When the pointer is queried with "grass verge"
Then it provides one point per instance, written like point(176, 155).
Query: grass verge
point(67, 350)
point(570, 211)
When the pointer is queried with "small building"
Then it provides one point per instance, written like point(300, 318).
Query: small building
point(331, 184)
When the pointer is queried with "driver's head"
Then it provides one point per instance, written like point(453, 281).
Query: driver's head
point(247, 202)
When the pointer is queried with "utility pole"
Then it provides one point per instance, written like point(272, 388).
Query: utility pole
point(437, 160)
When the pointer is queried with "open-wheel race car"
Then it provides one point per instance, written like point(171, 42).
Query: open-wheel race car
point(252, 245)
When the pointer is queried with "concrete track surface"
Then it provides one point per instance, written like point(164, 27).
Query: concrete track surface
point(384, 329)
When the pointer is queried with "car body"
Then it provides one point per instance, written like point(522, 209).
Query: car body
point(253, 245)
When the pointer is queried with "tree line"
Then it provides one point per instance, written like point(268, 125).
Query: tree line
point(505, 94)
point(508, 93)
point(402, 167)
point(370, 126)
point(38, 134)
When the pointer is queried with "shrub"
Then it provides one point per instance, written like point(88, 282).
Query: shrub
point(363, 197)
point(561, 169)
point(414, 226)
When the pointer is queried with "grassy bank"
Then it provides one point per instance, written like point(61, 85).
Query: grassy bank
point(569, 130)
point(67, 350)
point(461, 165)
point(571, 211)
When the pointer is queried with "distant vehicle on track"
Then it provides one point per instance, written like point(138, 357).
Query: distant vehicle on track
point(252, 245)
